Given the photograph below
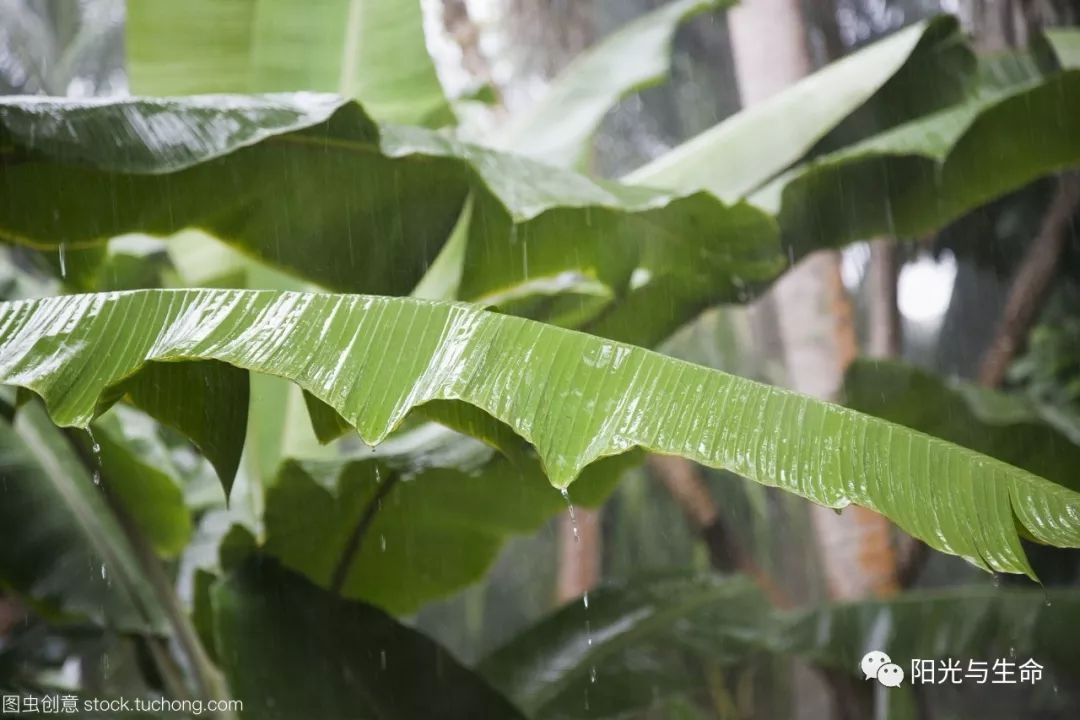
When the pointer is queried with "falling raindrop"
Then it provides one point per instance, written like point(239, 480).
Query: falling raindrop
point(382, 659)
point(103, 573)
point(94, 445)
point(570, 509)
point(63, 260)
point(382, 543)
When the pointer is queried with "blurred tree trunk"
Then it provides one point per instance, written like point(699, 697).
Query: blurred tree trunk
point(11, 614)
point(1032, 283)
point(1000, 26)
point(885, 336)
point(466, 35)
point(815, 323)
point(814, 312)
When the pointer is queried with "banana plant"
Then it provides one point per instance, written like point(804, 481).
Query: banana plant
point(526, 372)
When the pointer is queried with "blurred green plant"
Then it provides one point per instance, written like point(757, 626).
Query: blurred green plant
point(517, 362)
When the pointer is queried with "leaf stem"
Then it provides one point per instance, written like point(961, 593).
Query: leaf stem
point(352, 545)
point(207, 680)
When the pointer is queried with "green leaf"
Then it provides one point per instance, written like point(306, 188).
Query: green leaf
point(373, 50)
point(559, 127)
point(219, 164)
point(534, 230)
point(1007, 427)
point(419, 517)
point(207, 401)
point(921, 175)
point(964, 622)
point(60, 545)
point(587, 653)
point(139, 472)
point(1065, 42)
point(290, 650)
point(648, 639)
point(576, 398)
point(885, 82)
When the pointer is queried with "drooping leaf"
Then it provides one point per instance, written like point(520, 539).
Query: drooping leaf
point(534, 229)
point(207, 401)
point(558, 128)
point(291, 650)
point(874, 88)
point(220, 164)
point(588, 653)
point(1004, 426)
point(422, 515)
point(576, 398)
point(373, 50)
point(60, 544)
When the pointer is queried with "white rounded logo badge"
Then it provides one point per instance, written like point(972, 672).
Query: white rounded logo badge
point(876, 664)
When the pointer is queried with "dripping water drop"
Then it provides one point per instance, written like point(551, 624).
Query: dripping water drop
point(94, 445)
point(570, 509)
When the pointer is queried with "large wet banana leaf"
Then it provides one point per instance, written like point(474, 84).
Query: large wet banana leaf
point(290, 650)
point(298, 181)
point(373, 50)
point(558, 127)
point(61, 546)
point(575, 397)
point(310, 184)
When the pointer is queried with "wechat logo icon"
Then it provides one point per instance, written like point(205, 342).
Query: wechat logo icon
point(878, 665)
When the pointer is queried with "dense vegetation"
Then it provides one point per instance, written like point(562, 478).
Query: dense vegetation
point(461, 327)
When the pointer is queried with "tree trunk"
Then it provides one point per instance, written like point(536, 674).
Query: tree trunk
point(815, 323)
point(814, 313)
point(579, 554)
point(885, 330)
point(1032, 283)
